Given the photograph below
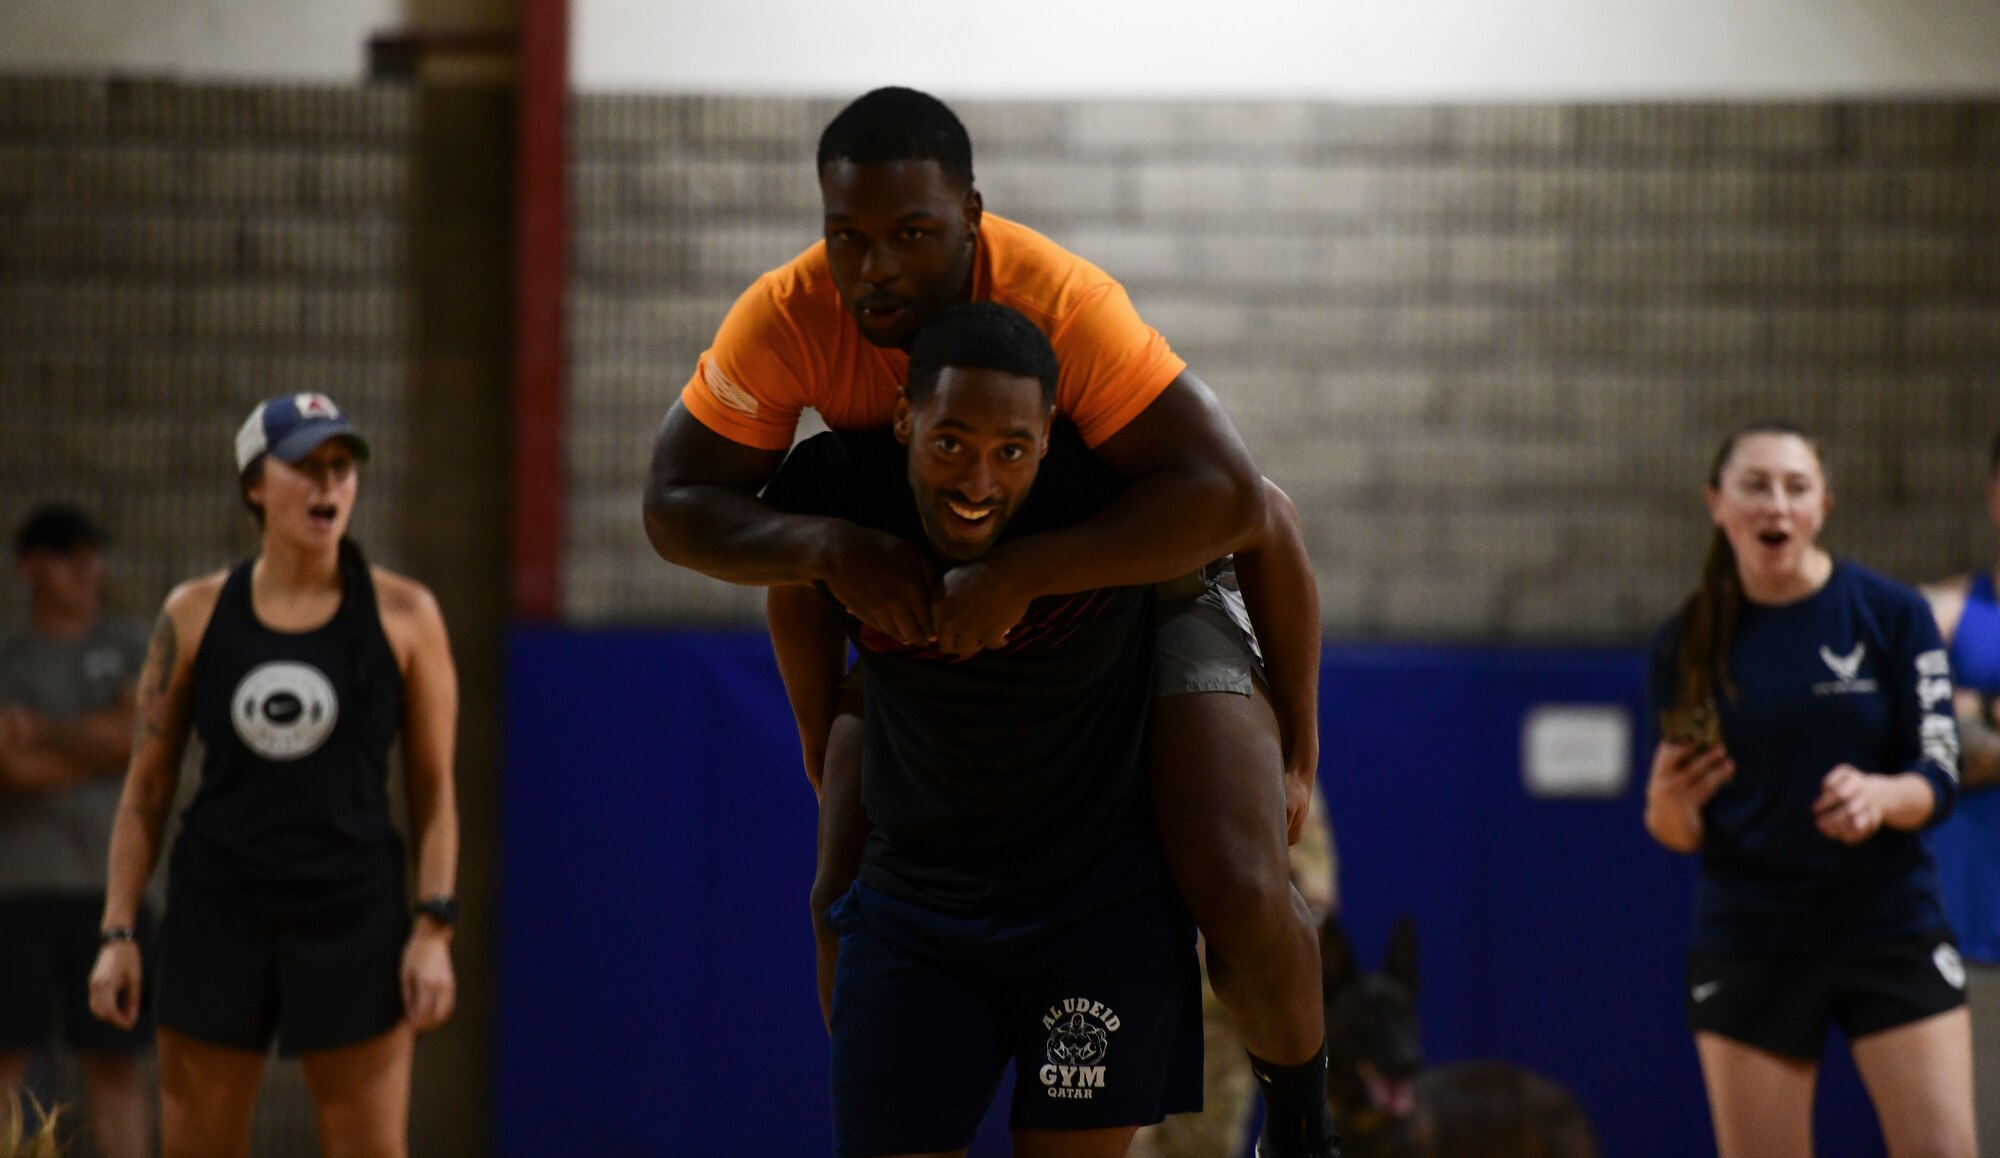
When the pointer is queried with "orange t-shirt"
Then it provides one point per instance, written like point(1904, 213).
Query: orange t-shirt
point(789, 343)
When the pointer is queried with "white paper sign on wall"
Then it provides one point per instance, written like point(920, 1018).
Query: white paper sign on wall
point(1576, 750)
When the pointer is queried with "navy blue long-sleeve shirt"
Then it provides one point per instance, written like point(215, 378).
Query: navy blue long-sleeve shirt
point(1853, 674)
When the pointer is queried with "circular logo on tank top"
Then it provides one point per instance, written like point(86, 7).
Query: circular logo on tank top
point(284, 710)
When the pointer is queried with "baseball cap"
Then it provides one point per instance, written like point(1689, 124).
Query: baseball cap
point(292, 426)
point(57, 527)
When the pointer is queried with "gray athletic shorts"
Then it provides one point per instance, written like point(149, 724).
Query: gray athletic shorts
point(1204, 642)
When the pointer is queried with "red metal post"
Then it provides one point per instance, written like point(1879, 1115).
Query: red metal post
point(541, 279)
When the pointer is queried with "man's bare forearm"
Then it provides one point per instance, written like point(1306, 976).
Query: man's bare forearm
point(1165, 525)
point(737, 538)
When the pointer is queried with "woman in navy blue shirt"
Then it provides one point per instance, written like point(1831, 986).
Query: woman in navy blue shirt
point(1805, 704)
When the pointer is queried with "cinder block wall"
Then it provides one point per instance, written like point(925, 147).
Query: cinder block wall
point(170, 254)
point(1489, 350)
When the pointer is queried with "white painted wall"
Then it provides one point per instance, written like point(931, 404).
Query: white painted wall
point(1338, 49)
point(1327, 49)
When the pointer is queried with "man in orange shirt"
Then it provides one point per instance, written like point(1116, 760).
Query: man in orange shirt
point(906, 236)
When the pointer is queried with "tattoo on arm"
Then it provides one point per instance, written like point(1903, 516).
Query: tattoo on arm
point(155, 678)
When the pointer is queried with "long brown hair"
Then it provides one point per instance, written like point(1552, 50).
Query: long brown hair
point(1708, 617)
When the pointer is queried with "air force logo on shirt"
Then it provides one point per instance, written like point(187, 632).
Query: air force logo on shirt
point(1846, 670)
point(284, 710)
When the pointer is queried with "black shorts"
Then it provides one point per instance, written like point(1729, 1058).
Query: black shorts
point(234, 977)
point(51, 944)
point(1784, 1004)
point(1100, 1014)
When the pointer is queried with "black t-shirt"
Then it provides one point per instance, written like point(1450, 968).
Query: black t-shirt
point(994, 783)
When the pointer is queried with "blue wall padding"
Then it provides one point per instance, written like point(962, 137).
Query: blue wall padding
point(656, 959)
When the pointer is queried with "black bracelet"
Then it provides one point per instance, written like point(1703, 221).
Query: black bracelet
point(118, 933)
point(442, 908)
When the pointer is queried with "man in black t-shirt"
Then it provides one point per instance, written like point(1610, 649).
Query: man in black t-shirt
point(1011, 900)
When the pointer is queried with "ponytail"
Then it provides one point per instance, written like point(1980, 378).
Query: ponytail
point(1708, 625)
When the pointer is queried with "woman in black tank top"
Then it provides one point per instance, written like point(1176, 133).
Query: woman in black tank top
point(288, 909)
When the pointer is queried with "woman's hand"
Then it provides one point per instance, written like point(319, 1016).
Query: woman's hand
point(430, 990)
point(1684, 778)
point(1854, 805)
point(114, 984)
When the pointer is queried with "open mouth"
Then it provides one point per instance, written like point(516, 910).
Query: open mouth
point(323, 515)
point(1391, 1094)
point(1773, 539)
point(883, 312)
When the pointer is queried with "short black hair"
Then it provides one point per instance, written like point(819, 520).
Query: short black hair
point(898, 124)
point(981, 336)
point(59, 528)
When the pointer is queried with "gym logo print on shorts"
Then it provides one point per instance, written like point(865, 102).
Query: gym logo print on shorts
point(1079, 1036)
point(284, 710)
point(1949, 966)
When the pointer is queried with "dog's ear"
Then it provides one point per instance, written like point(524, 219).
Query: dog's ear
point(1337, 967)
point(1401, 960)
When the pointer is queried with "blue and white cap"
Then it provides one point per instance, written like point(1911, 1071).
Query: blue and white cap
point(293, 426)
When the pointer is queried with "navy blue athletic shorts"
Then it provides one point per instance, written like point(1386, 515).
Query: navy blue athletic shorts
point(1784, 1005)
point(1099, 1010)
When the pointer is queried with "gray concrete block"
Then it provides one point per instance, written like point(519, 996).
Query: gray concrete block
point(1135, 256)
point(596, 187)
point(1156, 127)
point(1982, 265)
point(1616, 196)
point(52, 107)
point(1007, 128)
point(1806, 196)
point(1584, 606)
point(732, 256)
point(229, 177)
point(372, 318)
point(1345, 128)
point(661, 324)
point(1505, 398)
point(685, 184)
point(1804, 128)
point(1900, 261)
point(1175, 192)
point(1525, 262)
point(66, 310)
point(1525, 128)
point(252, 311)
point(1423, 606)
point(342, 178)
point(322, 245)
point(1644, 129)
point(1038, 191)
point(1192, 323)
point(1963, 196)
point(770, 126)
point(1984, 129)
point(1905, 129)
point(1953, 331)
point(68, 176)
point(1451, 192)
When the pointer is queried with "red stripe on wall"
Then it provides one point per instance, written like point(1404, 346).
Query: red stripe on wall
point(541, 277)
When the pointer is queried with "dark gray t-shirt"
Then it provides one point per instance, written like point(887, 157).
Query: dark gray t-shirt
point(58, 843)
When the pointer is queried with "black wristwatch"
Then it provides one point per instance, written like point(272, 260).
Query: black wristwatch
point(117, 933)
point(442, 908)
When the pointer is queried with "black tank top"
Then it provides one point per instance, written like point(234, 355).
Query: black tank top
point(293, 809)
